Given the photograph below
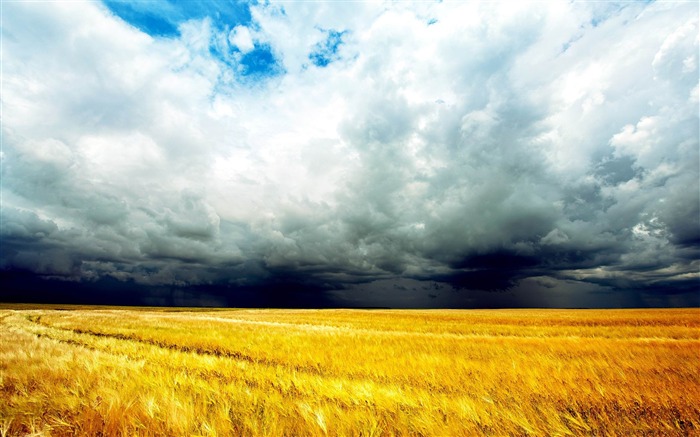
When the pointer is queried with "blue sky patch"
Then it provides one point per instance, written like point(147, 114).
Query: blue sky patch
point(325, 52)
point(152, 22)
point(260, 61)
point(161, 18)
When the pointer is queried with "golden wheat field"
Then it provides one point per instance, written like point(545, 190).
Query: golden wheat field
point(141, 371)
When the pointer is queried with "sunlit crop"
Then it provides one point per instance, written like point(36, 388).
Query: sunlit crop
point(83, 371)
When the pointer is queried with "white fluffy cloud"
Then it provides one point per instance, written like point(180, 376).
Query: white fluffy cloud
point(475, 144)
point(242, 39)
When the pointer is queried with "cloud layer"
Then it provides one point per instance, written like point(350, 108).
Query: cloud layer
point(303, 146)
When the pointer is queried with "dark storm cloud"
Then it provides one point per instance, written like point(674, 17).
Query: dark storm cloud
point(522, 152)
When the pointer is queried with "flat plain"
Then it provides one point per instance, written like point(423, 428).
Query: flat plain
point(165, 371)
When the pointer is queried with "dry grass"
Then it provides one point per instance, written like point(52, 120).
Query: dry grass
point(342, 372)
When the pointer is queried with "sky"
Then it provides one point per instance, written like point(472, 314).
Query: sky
point(351, 153)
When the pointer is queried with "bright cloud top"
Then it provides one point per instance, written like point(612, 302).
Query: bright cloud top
point(477, 145)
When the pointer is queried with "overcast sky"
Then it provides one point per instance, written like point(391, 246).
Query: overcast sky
point(352, 153)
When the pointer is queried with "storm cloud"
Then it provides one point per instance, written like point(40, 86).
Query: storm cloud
point(370, 154)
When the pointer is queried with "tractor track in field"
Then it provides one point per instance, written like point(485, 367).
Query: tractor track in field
point(227, 354)
point(205, 374)
point(220, 353)
point(351, 330)
point(291, 390)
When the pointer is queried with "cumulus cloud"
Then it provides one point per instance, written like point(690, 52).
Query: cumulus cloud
point(298, 146)
point(241, 38)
